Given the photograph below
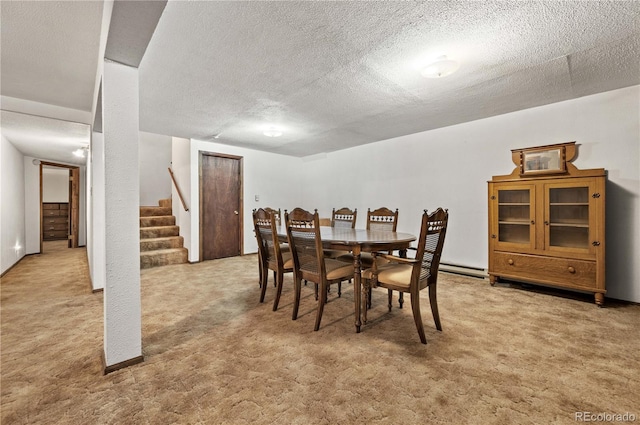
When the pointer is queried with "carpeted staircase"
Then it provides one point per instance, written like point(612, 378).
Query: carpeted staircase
point(160, 240)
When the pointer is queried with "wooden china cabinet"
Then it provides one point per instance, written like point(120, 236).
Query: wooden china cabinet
point(547, 221)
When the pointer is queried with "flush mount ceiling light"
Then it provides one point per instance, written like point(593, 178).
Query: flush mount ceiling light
point(442, 67)
point(272, 131)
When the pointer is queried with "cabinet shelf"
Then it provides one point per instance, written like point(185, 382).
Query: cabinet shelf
point(517, 222)
point(568, 204)
point(514, 203)
point(586, 226)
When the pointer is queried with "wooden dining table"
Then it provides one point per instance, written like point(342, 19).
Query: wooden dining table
point(357, 241)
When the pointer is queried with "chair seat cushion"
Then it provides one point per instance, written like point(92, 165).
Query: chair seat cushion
point(338, 269)
point(396, 275)
point(287, 261)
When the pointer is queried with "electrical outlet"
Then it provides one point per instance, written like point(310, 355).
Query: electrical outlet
point(257, 198)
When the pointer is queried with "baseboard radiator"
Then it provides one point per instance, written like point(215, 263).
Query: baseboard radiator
point(464, 270)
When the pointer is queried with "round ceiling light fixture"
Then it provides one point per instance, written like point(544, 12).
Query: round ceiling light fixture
point(442, 67)
point(80, 152)
point(272, 131)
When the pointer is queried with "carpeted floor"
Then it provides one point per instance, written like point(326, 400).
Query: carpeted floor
point(215, 355)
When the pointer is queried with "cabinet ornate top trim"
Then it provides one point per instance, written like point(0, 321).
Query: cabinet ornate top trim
point(547, 161)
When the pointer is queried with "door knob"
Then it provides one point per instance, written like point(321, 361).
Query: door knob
point(235, 212)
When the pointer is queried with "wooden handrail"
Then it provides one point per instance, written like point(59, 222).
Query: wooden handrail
point(177, 189)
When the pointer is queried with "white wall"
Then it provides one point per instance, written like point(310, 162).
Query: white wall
point(32, 205)
point(450, 167)
point(273, 177)
point(55, 184)
point(97, 259)
point(155, 158)
point(181, 165)
point(12, 205)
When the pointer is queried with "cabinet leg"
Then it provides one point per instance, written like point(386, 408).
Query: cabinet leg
point(493, 279)
point(599, 299)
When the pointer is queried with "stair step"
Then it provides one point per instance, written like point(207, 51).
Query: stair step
point(165, 203)
point(155, 211)
point(152, 244)
point(163, 257)
point(157, 220)
point(159, 232)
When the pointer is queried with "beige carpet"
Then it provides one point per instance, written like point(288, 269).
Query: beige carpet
point(214, 355)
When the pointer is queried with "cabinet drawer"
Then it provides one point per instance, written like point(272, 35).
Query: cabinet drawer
point(54, 234)
point(55, 220)
point(60, 226)
point(50, 206)
point(48, 213)
point(562, 271)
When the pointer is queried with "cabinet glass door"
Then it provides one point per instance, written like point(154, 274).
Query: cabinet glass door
point(515, 216)
point(567, 218)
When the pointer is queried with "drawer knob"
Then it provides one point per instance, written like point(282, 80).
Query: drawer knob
point(571, 270)
point(510, 261)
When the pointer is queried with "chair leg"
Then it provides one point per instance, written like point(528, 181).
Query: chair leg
point(390, 296)
point(339, 289)
point(316, 291)
point(296, 303)
point(401, 299)
point(263, 286)
point(279, 279)
point(275, 279)
point(369, 298)
point(433, 300)
point(415, 307)
point(321, 303)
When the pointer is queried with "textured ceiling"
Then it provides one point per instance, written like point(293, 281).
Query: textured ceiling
point(339, 74)
point(331, 74)
point(34, 136)
point(50, 51)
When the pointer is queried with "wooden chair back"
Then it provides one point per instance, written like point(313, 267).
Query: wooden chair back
point(344, 217)
point(429, 249)
point(303, 232)
point(276, 213)
point(382, 219)
point(269, 251)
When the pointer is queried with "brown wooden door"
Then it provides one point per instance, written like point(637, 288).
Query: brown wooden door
point(221, 206)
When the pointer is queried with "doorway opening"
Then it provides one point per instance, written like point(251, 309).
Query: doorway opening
point(59, 205)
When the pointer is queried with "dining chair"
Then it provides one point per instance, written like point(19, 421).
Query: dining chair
point(411, 275)
point(344, 218)
point(382, 219)
point(309, 262)
point(284, 247)
point(276, 213)
point(270, 254)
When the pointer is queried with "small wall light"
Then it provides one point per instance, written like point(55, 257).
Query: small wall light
point(80, 152)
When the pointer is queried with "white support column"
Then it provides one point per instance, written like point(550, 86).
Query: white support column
point(98, 268)
point(122, 308)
